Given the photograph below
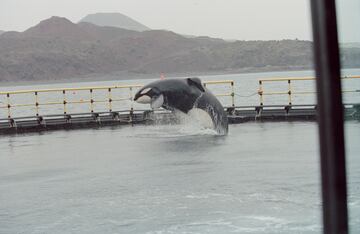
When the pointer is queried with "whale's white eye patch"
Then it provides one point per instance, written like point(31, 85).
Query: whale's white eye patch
point(145, 91)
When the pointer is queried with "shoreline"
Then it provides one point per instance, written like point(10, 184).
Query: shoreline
point(124, 75)
point(121, 76)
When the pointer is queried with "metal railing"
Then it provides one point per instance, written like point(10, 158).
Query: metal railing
point(290, 90)
point(64, 101)
point(8, 105)
point(231, 94)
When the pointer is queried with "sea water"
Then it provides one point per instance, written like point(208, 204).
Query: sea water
point(261, 178)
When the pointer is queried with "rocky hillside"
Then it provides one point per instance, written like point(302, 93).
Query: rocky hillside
point(59, 49)
point(114, 20)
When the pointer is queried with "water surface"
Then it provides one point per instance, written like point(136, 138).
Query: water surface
point(261, 178)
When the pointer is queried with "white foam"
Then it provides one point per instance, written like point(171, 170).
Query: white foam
point(197, 122)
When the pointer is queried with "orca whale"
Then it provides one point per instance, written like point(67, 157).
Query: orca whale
point(188, 96)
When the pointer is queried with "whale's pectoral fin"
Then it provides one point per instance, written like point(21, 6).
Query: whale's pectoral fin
point(157, 102)
point(196, 82)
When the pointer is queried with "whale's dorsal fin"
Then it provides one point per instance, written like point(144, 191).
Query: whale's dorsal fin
point(196, 82)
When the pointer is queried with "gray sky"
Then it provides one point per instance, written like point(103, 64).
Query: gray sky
point(230, 19)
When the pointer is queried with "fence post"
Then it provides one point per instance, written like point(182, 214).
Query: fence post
point(110, 100)
point(8, 104)
point(91, 101)
point(36, 103)
point(260, 92)
point(64, 101)
point(232, 94)
point(290, 92)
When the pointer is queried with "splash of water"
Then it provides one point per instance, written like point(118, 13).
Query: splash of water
point(168, 131)
point(216, 126)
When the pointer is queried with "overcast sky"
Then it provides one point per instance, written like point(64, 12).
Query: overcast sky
point(229, 19)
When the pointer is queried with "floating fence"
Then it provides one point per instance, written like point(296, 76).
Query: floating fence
point(290, 92)
point(44, 109)
point(66, 97)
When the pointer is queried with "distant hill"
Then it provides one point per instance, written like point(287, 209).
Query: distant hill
point(56, 27)
point(1, 31)
point(114, 20)
point(57, 48)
